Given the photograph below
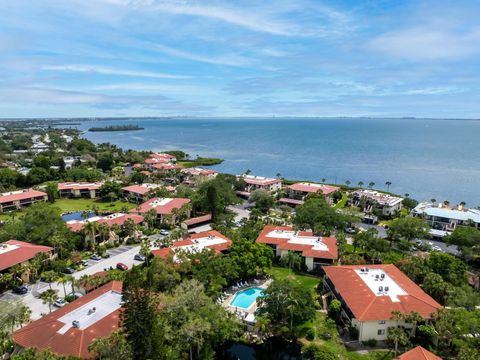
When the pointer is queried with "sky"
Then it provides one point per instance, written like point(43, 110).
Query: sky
point(377, 58)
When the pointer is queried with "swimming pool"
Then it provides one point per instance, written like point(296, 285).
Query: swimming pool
point(77, 215)
point(246, 298)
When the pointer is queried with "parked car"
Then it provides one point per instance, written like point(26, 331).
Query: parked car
point(105, 255)
point(68, 270)
point(139, 257)
point(20, 290)
point(437, 248)
point(59, 303)
point(350, 230)
point(84, 262)
point(164, 232)
point(122, 266)
point(96, 257)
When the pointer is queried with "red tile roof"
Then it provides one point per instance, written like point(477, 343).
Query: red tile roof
point(20, 252)
point(43, 333)
point(167, 167)
point(199, 171)
point(77, 225)
point(166, 209)
point(256, 180)
point(204, 234)
point(198, 219)
point(291, 201)
point(418, 353)
point(313, 188)
point(138, 189)
point(162, 253)
point(367, 306)
point(20, 195)
point(80, 185)
point(307, 250)
point(162, 156)
point(152, 161)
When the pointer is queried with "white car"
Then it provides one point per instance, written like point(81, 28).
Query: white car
point(163, 232)
point(437, 248)
point(59, 303)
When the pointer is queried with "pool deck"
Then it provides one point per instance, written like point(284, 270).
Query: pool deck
point(232, 293)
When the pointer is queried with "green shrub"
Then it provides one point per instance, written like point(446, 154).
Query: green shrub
point(316, 352)
point(370, 342)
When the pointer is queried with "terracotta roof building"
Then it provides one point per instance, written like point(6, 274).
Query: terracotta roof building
point(139, 192)
point(69, 331)
point(299, 191)
point(112, 219)
point(196, 243)
point(368, 199)
point(15, 200)
point(164, 207)
point(418, 353)
point(13, 252)
point(253, 183)
point(370, 293)
point(198, 173)
point(315, 250)
point(79, 189)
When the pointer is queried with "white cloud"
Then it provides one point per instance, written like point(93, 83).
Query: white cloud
point(95, 69)
point(428, 43)
point(231, 60)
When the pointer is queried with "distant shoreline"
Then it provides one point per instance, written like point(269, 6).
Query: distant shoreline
point(116, 128)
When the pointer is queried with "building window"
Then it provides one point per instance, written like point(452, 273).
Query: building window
point(381, 322)
point(380, 332)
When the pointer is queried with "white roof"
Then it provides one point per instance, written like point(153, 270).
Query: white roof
point(4, 248)
point(160, 202)
point(104, 305)
point(294, 238)
point(454, 214)
point(378, 197)
point(381, 284)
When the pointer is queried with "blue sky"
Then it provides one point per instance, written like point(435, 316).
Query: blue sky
point(239, 58)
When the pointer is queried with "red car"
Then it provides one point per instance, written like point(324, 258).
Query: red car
point(122, 266)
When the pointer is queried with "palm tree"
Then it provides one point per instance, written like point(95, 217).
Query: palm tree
point(360, 184)
point(293, 260)
point(50, 276)
point(407, 195)
point(279, 175)
point(63, 280)
point(371, 184)
point(398, 337)
point(24, 315)
point(323, 180)
point(261, 325)
point(388, 183)
point(91, 228)
point(103, 230)
point(348, 182)
point(248, 172)
point(433, 201)
point(49, 296)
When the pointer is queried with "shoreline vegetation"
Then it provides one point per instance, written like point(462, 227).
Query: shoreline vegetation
point(116, 128)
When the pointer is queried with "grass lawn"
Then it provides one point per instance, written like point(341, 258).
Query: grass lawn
point(67, 205)
point(341, 204)
point(306, 280)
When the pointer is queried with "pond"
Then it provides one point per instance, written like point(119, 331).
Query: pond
point(77, 215)
point(272, 349)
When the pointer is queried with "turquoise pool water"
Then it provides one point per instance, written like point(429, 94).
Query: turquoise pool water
point(246, 298)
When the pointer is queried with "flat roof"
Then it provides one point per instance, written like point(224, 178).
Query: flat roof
point(379, 197)
point(448, 213)
point(380, 283)
point(91, 312)
point(259, 180)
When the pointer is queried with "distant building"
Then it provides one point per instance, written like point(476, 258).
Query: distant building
point(198, 174)
point(315, 250)
point(15, 200)
point(69, 330)
point(253, 183)
point(138, 193)
point(166, 208)
point(368, 200)
point(212, 240)
point(418, 353)
point(443, 217)
point(69, 161)
point(165, 168)
point(80, 189)
point(299, 191)
point(14, 252)
point(370, 293)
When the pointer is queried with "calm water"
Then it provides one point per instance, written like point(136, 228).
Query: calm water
point(426, 158)
point(245, 298)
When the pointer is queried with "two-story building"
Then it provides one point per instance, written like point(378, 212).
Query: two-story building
point(299, 192)
point(15, 200)
point(368, 200)
point(315, 250)
point(82, 189)
point(370, 293)
point(253, 183)
point(139, 193)
point(443, 217)
point(167, 209)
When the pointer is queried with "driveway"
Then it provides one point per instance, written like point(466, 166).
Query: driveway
point(123, 254)
point(240, 211)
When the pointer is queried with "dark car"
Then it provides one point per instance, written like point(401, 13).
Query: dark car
point(139, 257)
point(68, 270)
point(122, 266)
point(21, 290)
point(106, 255)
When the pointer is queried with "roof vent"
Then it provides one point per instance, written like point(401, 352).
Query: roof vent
point(76, 323)
point(382, 276)
point(386, 288)
point(380, 288)
point(377, 277)
point(92, 311)
point(366, 269)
